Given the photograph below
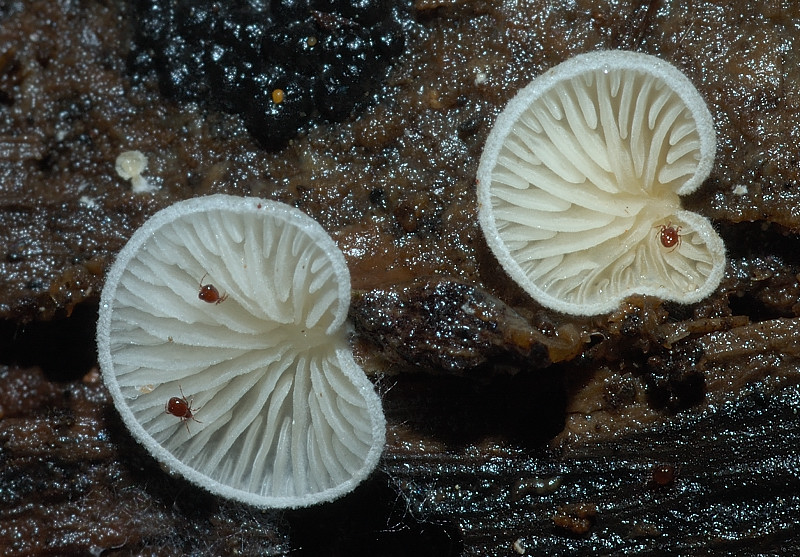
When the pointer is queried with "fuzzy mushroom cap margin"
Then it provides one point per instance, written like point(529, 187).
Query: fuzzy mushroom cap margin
point(283, 415)
point(582, 170)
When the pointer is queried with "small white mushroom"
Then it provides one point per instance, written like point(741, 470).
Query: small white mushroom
point(129, 166)
point(277, 412)
point(580, 181)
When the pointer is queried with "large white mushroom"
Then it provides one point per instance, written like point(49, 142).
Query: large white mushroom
point(276, 411)
point(580, 181)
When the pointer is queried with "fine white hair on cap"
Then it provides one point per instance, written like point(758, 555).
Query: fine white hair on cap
point(280, 415)
point(580, 180)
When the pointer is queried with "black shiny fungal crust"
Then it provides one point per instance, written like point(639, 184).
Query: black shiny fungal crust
point(325, 56)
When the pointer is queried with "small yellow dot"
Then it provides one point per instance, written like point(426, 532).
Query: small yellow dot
point(277, 96)
point(311, 41)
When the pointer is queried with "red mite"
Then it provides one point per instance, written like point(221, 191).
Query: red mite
point(669, 235)
point(209, 293)
point(663, 474)
point(179, 407)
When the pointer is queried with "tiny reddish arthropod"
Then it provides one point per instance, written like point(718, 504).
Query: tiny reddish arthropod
point(669, 235)
point(181, 408)
point(209, 293)
point(663, 474)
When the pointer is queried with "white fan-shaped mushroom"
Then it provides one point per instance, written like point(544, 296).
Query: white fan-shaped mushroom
point(582, 171)
point(280, 414)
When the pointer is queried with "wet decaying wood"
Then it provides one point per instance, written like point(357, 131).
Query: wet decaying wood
point(444, 325)
point(656, 429)
point(731, 486)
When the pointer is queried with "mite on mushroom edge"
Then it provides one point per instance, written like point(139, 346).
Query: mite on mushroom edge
point(209, 293)
point(669, 235)
point(181, 408)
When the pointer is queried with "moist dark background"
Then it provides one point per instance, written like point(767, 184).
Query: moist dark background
point(657, 430)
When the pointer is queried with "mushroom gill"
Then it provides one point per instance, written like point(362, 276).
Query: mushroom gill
point(580, 181)
point(240, 303)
